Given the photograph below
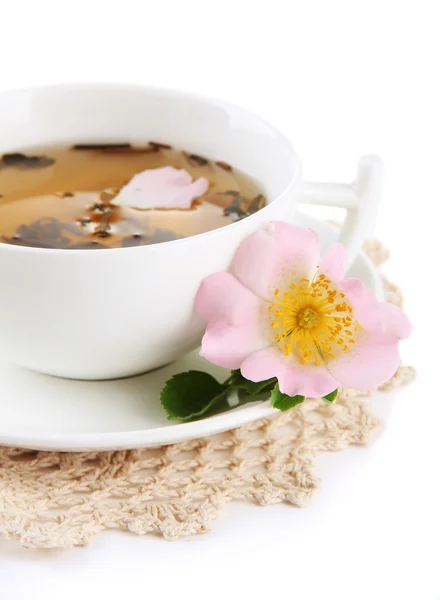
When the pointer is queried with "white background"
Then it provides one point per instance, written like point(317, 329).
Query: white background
point(341, 78)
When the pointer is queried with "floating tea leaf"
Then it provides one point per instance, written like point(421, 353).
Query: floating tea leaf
point(46, 228)
point(44, 233)
point(234, 209)
point(123, 148)
point(160, 146)
point(195, 160)
point(17, 159)
point(257, 204)
point(131, 150)
point(117, 146)
point(232, 193)
point(103, 228)
point(223, 165)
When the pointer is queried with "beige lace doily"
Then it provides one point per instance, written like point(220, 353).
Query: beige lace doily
point(57, 499)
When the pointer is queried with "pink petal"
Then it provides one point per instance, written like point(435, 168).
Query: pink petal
point(237, 320)
point(365, 304)
point(334, 262)
point(293, 378)
point(279, 251)
point(395, 321)
point(367, 366)
point(165, 187)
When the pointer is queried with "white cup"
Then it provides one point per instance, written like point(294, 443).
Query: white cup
point(99, 314)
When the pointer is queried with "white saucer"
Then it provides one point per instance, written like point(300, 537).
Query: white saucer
point(47, 413)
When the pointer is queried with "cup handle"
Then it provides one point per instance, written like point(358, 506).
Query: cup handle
point(361, 199)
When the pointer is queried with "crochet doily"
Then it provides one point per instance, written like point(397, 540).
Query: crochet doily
point(63, 499)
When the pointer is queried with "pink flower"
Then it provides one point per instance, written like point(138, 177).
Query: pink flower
point(279, 314)
point(165, 187)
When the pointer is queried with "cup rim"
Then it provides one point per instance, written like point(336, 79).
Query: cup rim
point(295, 163)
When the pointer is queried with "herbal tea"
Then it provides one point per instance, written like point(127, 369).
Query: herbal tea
point(66, 197)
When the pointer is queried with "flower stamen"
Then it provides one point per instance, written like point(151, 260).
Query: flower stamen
point(314, 321)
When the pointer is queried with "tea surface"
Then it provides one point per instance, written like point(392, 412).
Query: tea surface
point(59, 197)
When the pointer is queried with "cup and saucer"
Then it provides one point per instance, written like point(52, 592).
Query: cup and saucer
point(88, 338)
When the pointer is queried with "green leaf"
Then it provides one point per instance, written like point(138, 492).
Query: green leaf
point(237, 380)
point(331, 397)
point(282, 401)
point(189, 396)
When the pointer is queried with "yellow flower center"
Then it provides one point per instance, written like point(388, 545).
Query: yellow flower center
point(308, 318)
point(313, 321)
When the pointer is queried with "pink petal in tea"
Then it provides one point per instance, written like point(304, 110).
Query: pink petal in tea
point(166, 187)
